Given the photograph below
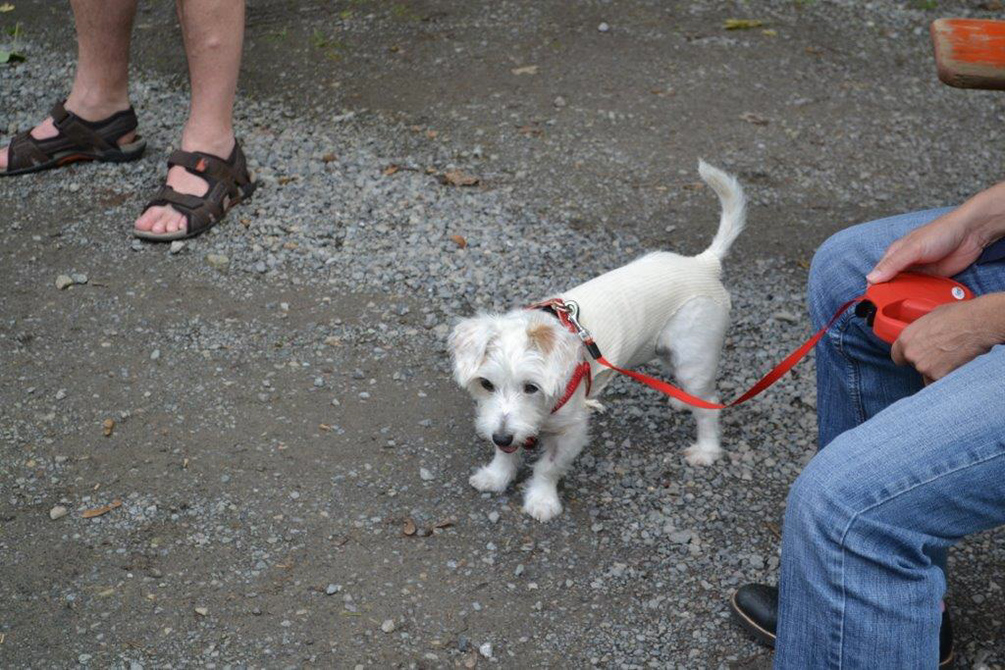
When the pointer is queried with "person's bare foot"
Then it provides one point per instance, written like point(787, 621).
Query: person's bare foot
point(88, 112)
point(166, 219)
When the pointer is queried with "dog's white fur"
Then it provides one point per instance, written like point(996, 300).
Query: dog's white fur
point(527, 357)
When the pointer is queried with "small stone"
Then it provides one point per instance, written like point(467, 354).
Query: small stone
point(788, 317)
point(319, 382)
point(364, 395)
point(681, 536)
point(519, 570)
point(387, 626)
point(494, 516)
point(60, 394)
point(79, 278)
point(58, 512)
point(335, 402)
point(155, 354)
point(486, 650)
point(332, 589)
point(176, 247)
point(218, 261)
point(426, 475)
point(136, 245)
point(604, 28)
point(74, 187)
point(560, 102)
point(63, 281)
point(201, 611)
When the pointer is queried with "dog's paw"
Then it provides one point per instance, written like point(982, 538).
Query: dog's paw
point(489, 479)
point(542, 504)
point(702, 454)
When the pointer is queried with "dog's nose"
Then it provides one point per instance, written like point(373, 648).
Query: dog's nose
point(502, 440)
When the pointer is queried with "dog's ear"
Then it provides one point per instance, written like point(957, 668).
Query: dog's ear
point(561, 353)
point(542, 336)
point(468, 343)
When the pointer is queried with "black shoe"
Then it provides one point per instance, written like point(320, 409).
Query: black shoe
point(755, 608)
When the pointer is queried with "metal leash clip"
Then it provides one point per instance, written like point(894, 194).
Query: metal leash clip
point(571, 309)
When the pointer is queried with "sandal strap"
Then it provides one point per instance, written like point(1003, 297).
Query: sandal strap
point(24, 152)
point(201, 212)
point(207, 167)
point(70, 128)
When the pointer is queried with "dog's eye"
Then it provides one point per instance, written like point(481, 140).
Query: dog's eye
point(487, 385)
point(530, 388)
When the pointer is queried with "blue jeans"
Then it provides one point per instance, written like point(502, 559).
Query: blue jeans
point(906, 472)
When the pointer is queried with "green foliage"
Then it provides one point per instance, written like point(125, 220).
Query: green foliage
point(12, 55)
point(331, 47)
point(278, 35)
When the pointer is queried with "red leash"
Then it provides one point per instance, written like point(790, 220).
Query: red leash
point(568, 315)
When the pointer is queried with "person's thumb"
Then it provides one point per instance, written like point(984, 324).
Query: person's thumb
point(897, 257)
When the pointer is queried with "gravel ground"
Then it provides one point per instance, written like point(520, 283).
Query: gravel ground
point(271, 403)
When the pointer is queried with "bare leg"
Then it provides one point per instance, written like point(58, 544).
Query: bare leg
point(101, 85)
point(213, 31)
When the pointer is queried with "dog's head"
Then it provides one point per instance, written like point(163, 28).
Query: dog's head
point(516, 366)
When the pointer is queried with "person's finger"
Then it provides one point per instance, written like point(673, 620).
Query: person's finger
point(897, 353)
point(926, 379)
point(898, 256)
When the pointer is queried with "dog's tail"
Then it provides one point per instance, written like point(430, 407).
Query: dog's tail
point(734, 208)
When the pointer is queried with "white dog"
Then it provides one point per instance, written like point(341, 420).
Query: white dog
point(524, 368)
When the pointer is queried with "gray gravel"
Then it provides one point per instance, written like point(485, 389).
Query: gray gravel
point(271, 402)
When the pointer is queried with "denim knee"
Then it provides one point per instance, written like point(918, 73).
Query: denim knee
point(816, 509)
point(837, 274)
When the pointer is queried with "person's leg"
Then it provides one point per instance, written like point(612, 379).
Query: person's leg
point(859, 585)
point(101, 85)
point(855, 376)
point(213, 32)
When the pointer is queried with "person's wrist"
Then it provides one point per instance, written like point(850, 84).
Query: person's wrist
point(992, 315)
point(985, 214)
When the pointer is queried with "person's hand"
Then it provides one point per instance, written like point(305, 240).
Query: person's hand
point(951, 336)
point(950, 243)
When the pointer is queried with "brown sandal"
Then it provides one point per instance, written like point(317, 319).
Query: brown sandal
point(229, 183)
point(78, 140)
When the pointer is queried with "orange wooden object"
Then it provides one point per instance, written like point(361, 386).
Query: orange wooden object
point(970, 53)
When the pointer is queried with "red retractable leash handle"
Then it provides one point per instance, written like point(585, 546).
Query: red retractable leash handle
point(889, 308)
